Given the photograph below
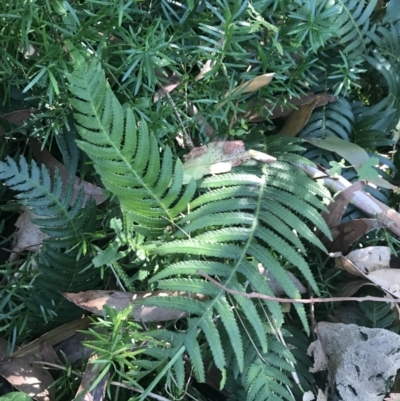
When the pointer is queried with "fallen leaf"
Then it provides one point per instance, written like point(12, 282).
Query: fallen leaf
point(252, 85)
point(207, 67)
point(341, 262)
point(53, 337)
point(388, 280)
point(272, 110)
point(371, 258)
point(93, 301)
point(345, 234)
point(354, 154)
point(25, 375)
point(28, 236)
point(172, 81)
point(351, 287)
point(298, 119)
point(337, 208)
point(210, 63)
point(18, 117)
point(92, 371)
point(218, 157)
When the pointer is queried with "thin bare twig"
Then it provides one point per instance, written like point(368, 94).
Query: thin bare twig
point(296, 301)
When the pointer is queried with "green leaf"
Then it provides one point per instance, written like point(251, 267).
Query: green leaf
point(35, 80)
point(354, 154)
point(392, 12)
point(15, 396)
point(367, 172)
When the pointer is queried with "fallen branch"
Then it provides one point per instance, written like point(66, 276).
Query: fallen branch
point(361, 200)
point(296, 301)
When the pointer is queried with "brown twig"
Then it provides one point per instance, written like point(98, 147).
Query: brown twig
point(296, 301)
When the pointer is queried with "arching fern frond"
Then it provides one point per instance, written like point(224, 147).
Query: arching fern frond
point(385, 59)
point(221, 245)
point(124, 153)
point(47, 199)
point(60, 267)
point(335, 119)
point(372, 130)
point(354, 25)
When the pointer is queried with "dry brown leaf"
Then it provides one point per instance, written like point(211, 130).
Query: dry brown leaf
point(341, 262)
point(350, 288)
point(298, 119)
point(172, 81)
point(337, 208)
point(53, 337)
point(388, 280)
point(207, 67)
point(93, 301)
point(209, 64)
point(18, 117)
point(371, 258)
point(25, 375)
point(91, 373)
point(363, 201)
point(252, 85)
point(28, 236)
point(272, 110)
point(345, 234)
point(219, 157)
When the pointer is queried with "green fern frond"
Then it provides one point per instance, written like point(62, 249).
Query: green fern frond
point(46, 199)
point(380, 315)
point(60, 267)
point(335, 119)
point(266, 375)
point(385, 59)
point(124, 153)
point(354, 24)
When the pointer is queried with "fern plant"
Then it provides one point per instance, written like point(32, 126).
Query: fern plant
point(223, 226)
point(61, 266)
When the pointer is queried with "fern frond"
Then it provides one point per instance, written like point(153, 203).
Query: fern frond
point(124, 153)
point(45, 198)
point(385, 59)
point(335, 119)
point(60, 268)
point(354, 24)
